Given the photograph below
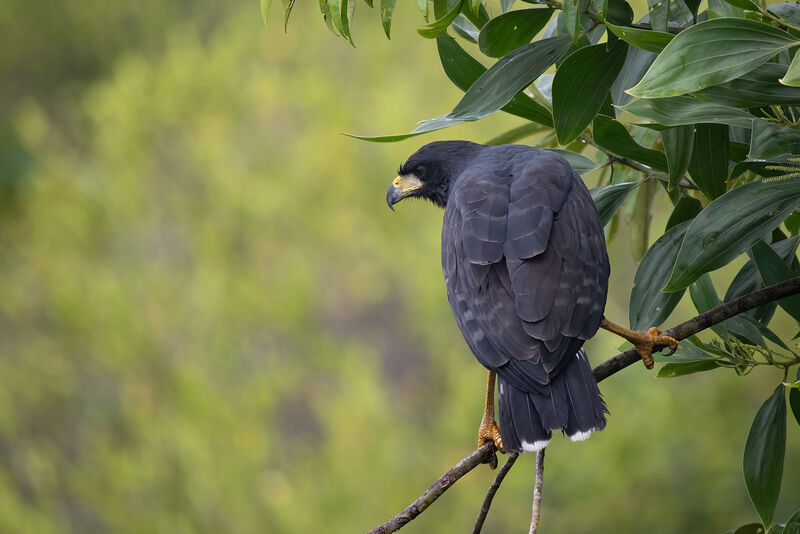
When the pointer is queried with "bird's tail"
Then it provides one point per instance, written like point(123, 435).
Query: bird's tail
point(571, 403)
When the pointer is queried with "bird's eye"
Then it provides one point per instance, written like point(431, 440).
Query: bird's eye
point(420, 171)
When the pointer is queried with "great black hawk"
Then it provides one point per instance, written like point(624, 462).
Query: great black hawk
point(526, 271)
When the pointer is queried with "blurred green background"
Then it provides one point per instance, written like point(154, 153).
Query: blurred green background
point(210, 321)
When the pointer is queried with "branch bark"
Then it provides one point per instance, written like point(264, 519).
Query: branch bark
point(538, 483)
point(601, 372)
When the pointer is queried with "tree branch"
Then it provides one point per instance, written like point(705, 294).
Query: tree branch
point(487, 501)
point(479, 456)
point(601, 372)
point(705, 320)
point(538, 483)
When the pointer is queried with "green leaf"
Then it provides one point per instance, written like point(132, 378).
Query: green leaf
point(511, 30)
point(763, 455)
point(678, 144)
point(648, 40)
point(709, 163)
point(572, 12)
point(493, 89)
point(750, 528)
point(704, 297)
point(721, 8)
point(612, 136)
point(686, 209)
point(794, 402)
point(792, 223)
point(579, 162)
point(793, 524)
point(748, 279)
point(682, 110)
point(348, 9)
point(659, 15)
point(265, 5)
point(520, 132)
point(463, 70)
point(335, 13)
point(585, 76)
point(744, 4)
point(637, 61)
point(774, 271)
point(672, 370)
point(772, 140)
point(505, 5)
point(689, 64)
point(601, 8)
point(619, 12)
point(686, 352)
point(434, 30)
point(788, 11)
point(730, 225)
point(648, 305)
point(609, 198)
point(759, 87)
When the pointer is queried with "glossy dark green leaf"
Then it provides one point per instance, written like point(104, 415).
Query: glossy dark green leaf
point(348, 9)
point(689, 64)
point(463, 70)
point(730, 225)
point(648, 305)
point(773, 271)
point(709, 163)
point(748, 279)
point(792, 223)
point(794, 402)
point(505, 5)
point(686, 209)
point(579, 162)
point(764, 453)
point(672, 370)
point(464, 28)
point(686, 352)
point(771, 140)
point(648, 40)
point(619, 12)
point(678, 143)
point(511, 30)
point(585, 76)
point(493, 89)
point(682, 110)
point(609, 198)
point(704, 297)
point(756, 88)
point(637, 61)
point(612, 136)
point(434, 30)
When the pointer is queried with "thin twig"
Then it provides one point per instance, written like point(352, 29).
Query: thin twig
point(487, 501)
point(479, 456)
point(601, 372)
point(538, 482)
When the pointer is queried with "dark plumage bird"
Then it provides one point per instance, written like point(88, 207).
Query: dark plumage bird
point(526, 271)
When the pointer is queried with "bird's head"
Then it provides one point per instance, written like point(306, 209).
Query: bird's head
point(430, 172)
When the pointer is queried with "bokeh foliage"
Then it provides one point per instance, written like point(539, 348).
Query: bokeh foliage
point(210, 322)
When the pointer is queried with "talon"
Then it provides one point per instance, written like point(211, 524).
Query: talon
point(489, 431)
point(645, 343)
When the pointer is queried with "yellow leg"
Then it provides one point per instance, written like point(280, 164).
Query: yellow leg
point(489, 431)
point(645, 342)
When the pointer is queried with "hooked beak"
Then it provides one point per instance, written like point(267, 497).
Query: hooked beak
point(401, 187)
